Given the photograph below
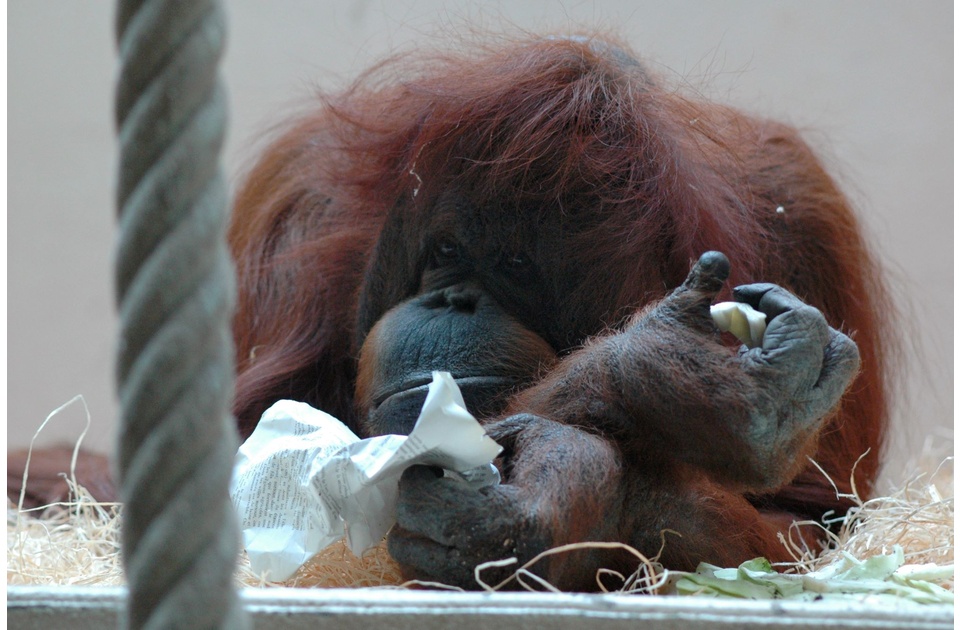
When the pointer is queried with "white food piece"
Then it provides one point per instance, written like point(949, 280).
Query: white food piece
point(745, 322)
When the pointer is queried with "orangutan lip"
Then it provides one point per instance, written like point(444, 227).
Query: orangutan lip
point(407, 386)
point(419, 385)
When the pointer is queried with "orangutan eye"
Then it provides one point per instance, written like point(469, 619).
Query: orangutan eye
point(518, 260)
point(446, 252)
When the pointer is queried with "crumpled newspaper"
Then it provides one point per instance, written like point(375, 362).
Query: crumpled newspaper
point(303, 479)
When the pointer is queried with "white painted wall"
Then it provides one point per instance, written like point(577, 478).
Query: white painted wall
point(870, 81)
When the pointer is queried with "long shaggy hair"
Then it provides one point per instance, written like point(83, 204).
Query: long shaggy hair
point(644, 177)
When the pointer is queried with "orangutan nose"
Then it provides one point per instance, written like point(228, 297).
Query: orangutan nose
point(462, 297)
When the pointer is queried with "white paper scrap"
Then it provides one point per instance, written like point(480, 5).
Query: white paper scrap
point(303, 479)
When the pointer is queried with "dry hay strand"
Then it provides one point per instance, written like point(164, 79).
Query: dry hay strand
point(75, 543)
point(918, 517)
point(78, 543)
point(649, 577)
point(334, 567)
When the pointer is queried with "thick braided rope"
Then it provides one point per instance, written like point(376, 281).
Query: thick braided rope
point(175, 294)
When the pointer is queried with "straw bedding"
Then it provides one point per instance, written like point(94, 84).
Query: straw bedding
point(78, 544)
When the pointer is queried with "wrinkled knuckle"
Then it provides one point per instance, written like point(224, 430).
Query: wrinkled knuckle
point(808, 322)
point(810, 315)
point(754, 289)
point(844, 350)
point(765, 286)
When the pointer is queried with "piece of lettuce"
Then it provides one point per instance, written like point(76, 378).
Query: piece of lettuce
point(881, 577)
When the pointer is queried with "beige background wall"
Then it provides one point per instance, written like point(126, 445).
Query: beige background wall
point(870, 82)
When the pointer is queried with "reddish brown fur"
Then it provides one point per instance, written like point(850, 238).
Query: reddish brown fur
point(547, 123)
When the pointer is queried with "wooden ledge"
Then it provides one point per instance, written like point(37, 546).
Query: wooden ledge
point(81, 608)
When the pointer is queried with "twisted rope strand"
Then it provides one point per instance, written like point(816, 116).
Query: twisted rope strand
point(175, 297)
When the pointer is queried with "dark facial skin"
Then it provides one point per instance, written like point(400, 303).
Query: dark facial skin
point(459, 329)
point(480, 310)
